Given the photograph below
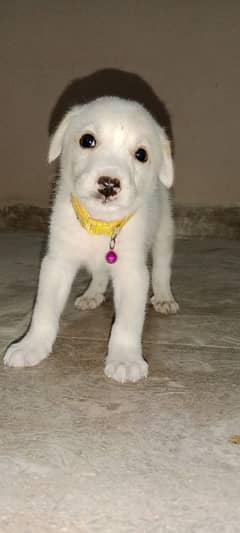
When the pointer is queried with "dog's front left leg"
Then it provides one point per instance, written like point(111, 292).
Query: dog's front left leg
point(56, 276)
point(125, 361)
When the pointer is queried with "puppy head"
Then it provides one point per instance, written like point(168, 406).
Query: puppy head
point(112, 152)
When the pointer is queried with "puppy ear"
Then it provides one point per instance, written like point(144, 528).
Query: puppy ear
point(166, 172)
point(56, 142)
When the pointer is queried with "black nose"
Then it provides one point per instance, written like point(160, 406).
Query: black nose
point(108, 186)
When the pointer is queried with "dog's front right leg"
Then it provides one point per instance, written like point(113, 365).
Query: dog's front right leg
point(56, 276)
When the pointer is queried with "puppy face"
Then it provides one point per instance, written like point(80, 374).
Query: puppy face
point(112, 152)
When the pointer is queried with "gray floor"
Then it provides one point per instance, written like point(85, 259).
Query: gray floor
point(80, 453)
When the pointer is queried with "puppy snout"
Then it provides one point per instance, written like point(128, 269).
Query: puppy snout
point(109, 186)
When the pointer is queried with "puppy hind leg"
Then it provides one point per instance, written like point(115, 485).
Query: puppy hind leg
point(95, 293)
point(162, 299)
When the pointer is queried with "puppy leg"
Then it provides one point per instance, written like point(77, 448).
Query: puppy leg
point(95, 293)
point(55, 281)
point(163, 300)
point(124, 361)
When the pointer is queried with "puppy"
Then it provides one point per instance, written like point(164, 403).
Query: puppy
point(111, 208)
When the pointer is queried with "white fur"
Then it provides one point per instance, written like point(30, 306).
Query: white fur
point(120, 128)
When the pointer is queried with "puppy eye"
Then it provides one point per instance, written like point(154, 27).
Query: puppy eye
point(87, 141)
point(141, 155)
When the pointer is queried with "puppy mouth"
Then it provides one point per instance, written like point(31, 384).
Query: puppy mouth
point(104, 199)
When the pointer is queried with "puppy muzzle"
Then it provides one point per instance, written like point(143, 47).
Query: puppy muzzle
point(108, 186)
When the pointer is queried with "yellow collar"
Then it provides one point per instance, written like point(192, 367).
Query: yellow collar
point(94, 226)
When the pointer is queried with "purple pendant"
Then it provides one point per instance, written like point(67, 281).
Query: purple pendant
point(111, 257)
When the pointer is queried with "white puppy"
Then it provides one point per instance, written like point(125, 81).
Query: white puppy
point(111, 208)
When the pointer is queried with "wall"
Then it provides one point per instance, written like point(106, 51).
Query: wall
point(187, 51)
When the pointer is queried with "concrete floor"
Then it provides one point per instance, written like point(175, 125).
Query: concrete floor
point(80, 453)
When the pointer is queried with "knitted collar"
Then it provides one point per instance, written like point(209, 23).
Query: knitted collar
point(95, 226)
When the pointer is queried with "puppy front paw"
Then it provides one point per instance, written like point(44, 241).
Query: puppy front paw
point(24, 353)
point(169, 307)
point(122, 370)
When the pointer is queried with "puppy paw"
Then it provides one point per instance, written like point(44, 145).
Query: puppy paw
point(123, 371)
point(86, 302)
point(24, 353)
point(165, 308)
